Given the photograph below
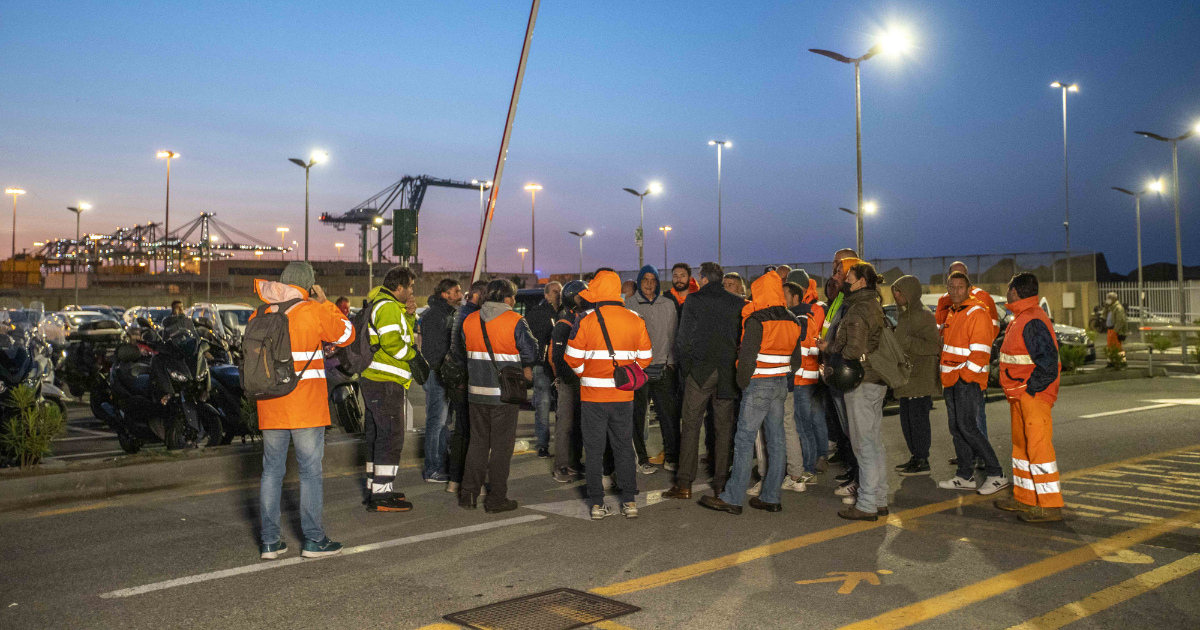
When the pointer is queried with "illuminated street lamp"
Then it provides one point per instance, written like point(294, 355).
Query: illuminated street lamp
point(892, 42)
point(168, 156)
point(295, 247)
point(720, 144)
point(282, 246)
point(15, 192)
point(533, 188)
point(664, 229)
point(654, 188)
point(522, 252)
point(1154, 186)
point(316, 158)
point(482, 212)
point(1175, 191)
point(78, 210)
point(868, 208)
point(1066, 187)
point(339, 247)
point(581, 235)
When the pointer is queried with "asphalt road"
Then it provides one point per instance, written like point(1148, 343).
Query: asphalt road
point(1127, 556)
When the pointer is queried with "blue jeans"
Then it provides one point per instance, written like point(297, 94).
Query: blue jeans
point(762, 406)
point(809, 415)
point(310, 450)
point(541, 406)
point(437, 436)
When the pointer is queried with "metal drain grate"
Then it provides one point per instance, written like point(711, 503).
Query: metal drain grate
point(559, 609)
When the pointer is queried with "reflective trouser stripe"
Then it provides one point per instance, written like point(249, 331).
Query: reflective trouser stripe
point(1035, 466)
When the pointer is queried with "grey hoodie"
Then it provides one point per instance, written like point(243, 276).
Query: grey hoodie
point(660, 316)
point(917, 333)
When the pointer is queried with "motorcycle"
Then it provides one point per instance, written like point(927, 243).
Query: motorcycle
point(19, 366)
point(88, 359)
point(227, 394)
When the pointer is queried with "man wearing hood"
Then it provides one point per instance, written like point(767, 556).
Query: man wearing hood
point(659, 314)
point(301, 416)
point(496, 337)
point(605, 411)
point(916, 332)
point(770, 352)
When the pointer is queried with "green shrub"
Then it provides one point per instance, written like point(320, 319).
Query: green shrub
point(1162, 342)
point(27, 435)
point(1071, 357)
point(1115, 356)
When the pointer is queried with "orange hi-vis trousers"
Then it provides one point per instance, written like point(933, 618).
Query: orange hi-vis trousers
point(1035, 468)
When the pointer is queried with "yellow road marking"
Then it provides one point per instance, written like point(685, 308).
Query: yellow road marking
point(849, 579)
point(78, 508)
point(1113, 595)
point(705, 567)
point(959, 598)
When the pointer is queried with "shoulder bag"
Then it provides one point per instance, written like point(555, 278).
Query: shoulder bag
point(513, 388)
point(627, 377)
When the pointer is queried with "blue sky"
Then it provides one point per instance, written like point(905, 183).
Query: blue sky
point(961, 138)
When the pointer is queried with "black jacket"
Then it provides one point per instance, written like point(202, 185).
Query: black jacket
point(541, 323)
point(707, 338)
point(1039, 341)
point(435, 326)
point(458, 345)
point(558, 340)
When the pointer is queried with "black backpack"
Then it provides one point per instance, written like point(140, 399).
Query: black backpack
point(268, 370)
point(355, 358)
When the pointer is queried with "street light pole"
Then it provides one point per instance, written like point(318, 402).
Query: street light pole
point(1137, 210)
point(482, 213)
point(719, 144)
point(867, 208)
point(639, 237)
point(282, 245)
point(78, 210)
point(522, 251)
point(1175, 193)
point(15, 192)
point(664, 229)
point(1066, 181)
point(167, 220)
point(317, 157)
point(533, 188)
point(581, 235)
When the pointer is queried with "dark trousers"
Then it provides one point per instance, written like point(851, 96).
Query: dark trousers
point(696, 398)
point(493, 433)
point(385, 433)
point(460, 432)
point(665, 394)
point(914, 422)
point(962, 406)
point(611, 423)
point(568, 439)
point(837, 421)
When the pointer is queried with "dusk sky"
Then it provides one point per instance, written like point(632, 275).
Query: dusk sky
point(962, 137)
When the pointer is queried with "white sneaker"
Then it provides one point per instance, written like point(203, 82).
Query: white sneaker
point(647, 469)
point(957, 483)
point(601, 511)
point(850, 500)
point(847, 490)
point(792, 484)
point(992, 485)
point(628, 509)
point(808, 478)
point(755, 490)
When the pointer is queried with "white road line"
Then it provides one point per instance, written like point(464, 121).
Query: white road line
point(581, 508)
point(264, 566)
point(91, 431)
point(87, 437)
point(1131, 410)
point(100, 454)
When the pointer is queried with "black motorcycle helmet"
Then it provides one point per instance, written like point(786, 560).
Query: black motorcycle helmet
point(841, 374)
point(570, 290)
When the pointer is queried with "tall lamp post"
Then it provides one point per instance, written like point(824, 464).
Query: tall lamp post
point(533, 188)
point(654, 188)
point(78, 210)
point(664, 229)
point(316, 158)
point(168, 155)
point(581, 235)
point(891, 42)
point(868, 208)
point(15, 192)
point(522, 251)
point(1155, 186)
point(482, 212)
point(720, 144)
point(282, 246)
point(1066, 186)
point(1175, 193)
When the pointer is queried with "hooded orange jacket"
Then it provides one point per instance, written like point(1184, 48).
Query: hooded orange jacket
point(587, 353)
point(310, 324)
point(967, 344)
point(771, 334)
point(985, 298)
point(810, 367)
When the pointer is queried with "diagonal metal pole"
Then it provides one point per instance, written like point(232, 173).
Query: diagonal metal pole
point(500, 159)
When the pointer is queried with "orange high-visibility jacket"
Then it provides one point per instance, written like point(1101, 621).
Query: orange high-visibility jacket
point(1016, 365)
point(967, 344)
point(309, 325)
point(776, 338)
point(944, 303)
point(483, 381)
point(588, 355)
point(810, 368)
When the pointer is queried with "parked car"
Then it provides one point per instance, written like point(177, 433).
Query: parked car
point(1133, 314)
point(528, 298)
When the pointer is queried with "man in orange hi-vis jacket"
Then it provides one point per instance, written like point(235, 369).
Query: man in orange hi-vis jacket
point(605, 411)
point(1029, 371)
point(301, 416)
point(943, 309)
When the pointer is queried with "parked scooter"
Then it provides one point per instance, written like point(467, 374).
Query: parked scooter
point(88, 360)
point(18, 367)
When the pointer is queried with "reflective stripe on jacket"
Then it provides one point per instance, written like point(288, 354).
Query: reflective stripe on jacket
point(771, 334)
point(587, 353)
point(393, 331)
point(810, 365)
point(967, 344)
point(1016, 363)
point(985, 298)
point(310, 324)
point(483, 382)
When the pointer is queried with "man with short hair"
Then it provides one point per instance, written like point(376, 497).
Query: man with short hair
point(343, 305)
point(541, 322)
point(460, 434)
point(1029, 373)
point(734, 284)
point(783, 271)
point(628, 289)
point(496, 337)
point(435, 326)
point(682, 285)
point(967, 337)
point(301, 416)
point(943, 309)
point(659, 314)
point(705, 352)
point(384, 384)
